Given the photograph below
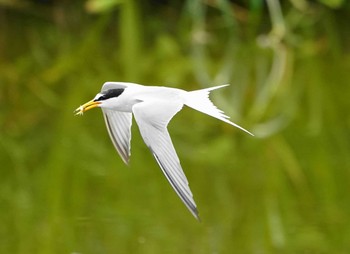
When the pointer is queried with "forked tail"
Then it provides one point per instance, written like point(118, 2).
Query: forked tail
point(199, 100)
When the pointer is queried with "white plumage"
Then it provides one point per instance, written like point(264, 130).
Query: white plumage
point(153, 107)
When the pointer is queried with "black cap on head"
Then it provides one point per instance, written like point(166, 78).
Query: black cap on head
point(110, 94)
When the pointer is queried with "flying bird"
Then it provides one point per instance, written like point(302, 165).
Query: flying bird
point(153, 107)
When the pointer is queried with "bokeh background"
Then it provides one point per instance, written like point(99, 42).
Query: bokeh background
point(63, 188)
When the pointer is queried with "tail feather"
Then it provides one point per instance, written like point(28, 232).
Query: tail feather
point(199, 100)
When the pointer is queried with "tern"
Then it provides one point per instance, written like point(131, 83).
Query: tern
point(153, 107)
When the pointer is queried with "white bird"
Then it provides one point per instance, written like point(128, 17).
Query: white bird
point(153, 107)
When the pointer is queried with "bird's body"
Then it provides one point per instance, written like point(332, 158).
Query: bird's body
point(153, 107)
point(136, 93)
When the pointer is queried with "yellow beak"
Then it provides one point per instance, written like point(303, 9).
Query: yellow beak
point(87, 106)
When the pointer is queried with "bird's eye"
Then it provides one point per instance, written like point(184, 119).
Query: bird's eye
point(102, 97)
point(111, 93)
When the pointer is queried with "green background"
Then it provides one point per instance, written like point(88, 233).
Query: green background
point(63, 188)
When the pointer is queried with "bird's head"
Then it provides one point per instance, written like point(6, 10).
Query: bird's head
point(104, 99)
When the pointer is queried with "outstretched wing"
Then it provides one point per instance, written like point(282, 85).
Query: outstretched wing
point(119, 129)
point(152, 118)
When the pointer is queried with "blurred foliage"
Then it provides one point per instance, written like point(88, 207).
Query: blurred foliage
point(63, 188)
